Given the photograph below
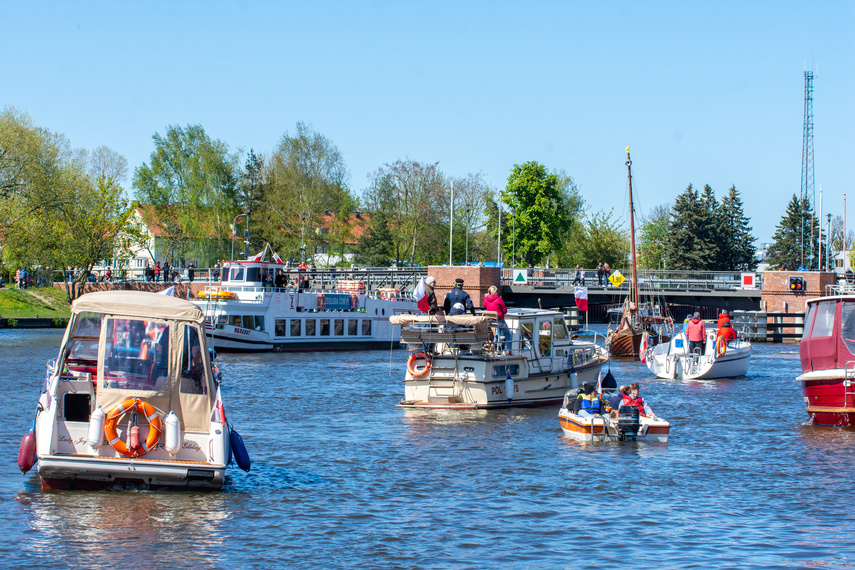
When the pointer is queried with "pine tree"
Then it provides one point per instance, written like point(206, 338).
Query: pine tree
point(736, 242)
point(374, 247)
point(790, 248)
point(685, 248)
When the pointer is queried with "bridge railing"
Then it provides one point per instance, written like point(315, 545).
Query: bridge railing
point(647, 280)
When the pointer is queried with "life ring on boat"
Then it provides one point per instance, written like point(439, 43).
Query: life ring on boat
point(384, 295)
point(642, 348)
point(720, 347)
point(354, 302)
point(155, 427)
point(322, 302)
point(411, 364)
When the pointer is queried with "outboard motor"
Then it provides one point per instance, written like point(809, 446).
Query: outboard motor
point(628, 422)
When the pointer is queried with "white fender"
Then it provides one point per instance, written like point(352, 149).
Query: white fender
point(509, 388)
point(172, 436)
point(96, 428)
point(574, 380)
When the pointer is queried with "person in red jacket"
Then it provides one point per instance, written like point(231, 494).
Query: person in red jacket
point(722, 318)
point(493, 302)
point(696, 333)
point(725, 333)
point(631, 398)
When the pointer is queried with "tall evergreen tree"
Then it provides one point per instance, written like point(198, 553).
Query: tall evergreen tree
point(736, 252)
point(686, 247)
point(788, 251)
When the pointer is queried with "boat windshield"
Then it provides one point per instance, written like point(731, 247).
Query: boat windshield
point(559, 331)
point(847, 325)
point(824, 321)
point(811, 311)
point(136, 355)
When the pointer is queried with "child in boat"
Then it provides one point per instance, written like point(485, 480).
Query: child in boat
point(631, 398)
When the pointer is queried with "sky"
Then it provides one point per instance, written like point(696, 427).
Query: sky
point(702, 92)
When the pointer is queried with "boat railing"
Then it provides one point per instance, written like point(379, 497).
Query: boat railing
point(841, 288)
point(426, 333)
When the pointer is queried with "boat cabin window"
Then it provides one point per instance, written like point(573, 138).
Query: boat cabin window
point(366, 327)
point(136, 356)
point(192, 363)
point(253, 274)
point(295, 327)
point(559, 330)
point(526, 332)
point(325, 327)
point(545, 338)
point(236, 274)
point(811, 311)
point(824, 320)
point(502, 370)
point(352, 327)
point(847, 325)
point(83, 346)
point(311, 327)
point(281, 326)
point(339, 327)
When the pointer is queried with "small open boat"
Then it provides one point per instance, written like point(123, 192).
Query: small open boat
point(132, 399)
point(455, 362)
point(672, 360)
point(622, 424)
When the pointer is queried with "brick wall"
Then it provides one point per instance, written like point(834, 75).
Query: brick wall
point(776, 296)
point(476, 281)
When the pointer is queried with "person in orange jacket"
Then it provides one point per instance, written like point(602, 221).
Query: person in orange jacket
point(722, 318)
point(725, 333)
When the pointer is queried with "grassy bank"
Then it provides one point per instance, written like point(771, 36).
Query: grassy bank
point(44, 302)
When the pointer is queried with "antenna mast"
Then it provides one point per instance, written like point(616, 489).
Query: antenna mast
point(807, 187)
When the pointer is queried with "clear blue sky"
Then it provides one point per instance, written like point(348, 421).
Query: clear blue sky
point(702, 92)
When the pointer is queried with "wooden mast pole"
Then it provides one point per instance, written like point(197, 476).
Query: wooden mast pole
point(632, 231)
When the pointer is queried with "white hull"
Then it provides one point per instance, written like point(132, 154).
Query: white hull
point(604, 428)
point(673, 361)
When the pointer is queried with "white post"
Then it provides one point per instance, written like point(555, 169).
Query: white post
point(819, 237)
point(499, 232)
point(451, 226)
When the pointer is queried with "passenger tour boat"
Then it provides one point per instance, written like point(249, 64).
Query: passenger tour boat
point(457, 362)
point(827, 352)
point(248, 313)
point(672, 360)
point(132, 399)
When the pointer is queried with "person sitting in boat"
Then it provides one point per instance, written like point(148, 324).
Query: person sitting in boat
point(725, 333)
point(457, 309)
point(590, 403)
point(617, 398)
point(632, 399)
point(696, 333)
point(458, 295)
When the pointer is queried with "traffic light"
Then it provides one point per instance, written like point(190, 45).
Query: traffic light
point(797, 283)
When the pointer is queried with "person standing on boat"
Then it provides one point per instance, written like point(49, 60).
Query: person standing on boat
point(280, 281)
point(696, 333)
point(430, 295)
point(458, 295)
point(493, 302)
point(722, 318)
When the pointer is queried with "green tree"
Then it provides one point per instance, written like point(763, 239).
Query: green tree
point(652, 237)
point(535, 195)
point(687, 246)
point(374, 247)
point(191, 184)
point(787, 252)
point(604, 240)
point(736, 244)
point(567, 254)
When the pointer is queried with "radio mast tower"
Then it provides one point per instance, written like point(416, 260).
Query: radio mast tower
point(808, 193)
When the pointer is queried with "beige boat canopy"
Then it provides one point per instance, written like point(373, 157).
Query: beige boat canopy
point(138, 304)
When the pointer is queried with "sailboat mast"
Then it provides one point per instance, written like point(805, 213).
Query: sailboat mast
point(632, 230)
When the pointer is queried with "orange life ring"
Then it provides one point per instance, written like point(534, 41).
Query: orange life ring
point(384, 295)
point(155, 427)
point(720, 347)
point(418, 372)
point(322, 302)
point(354, 302)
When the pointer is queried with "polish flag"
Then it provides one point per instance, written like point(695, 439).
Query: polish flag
point(276, 257)
point(581, 294)
point(257, 257)
point(421, 297)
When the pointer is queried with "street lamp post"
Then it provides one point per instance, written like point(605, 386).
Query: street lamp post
point(828, 241)
point(467, 234)
point(303, 246)
point(234, 229)
point(514, 235)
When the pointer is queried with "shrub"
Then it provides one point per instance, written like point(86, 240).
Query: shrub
point(11, 323)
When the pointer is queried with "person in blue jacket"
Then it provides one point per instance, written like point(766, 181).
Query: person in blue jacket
point(458, 295)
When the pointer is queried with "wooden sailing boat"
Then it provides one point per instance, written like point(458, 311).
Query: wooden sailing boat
point(626, 339)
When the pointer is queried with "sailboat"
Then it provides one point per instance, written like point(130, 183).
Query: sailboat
point(626, 340)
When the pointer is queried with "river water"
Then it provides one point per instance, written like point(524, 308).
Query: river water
point(342, 478)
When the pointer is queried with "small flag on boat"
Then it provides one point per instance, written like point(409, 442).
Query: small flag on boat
point(420, 296)
point(276, 258)
point(617, 278)
point(581, 294)
point(257, 257)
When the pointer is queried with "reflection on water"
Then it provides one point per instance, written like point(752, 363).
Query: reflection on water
point(341, 477)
